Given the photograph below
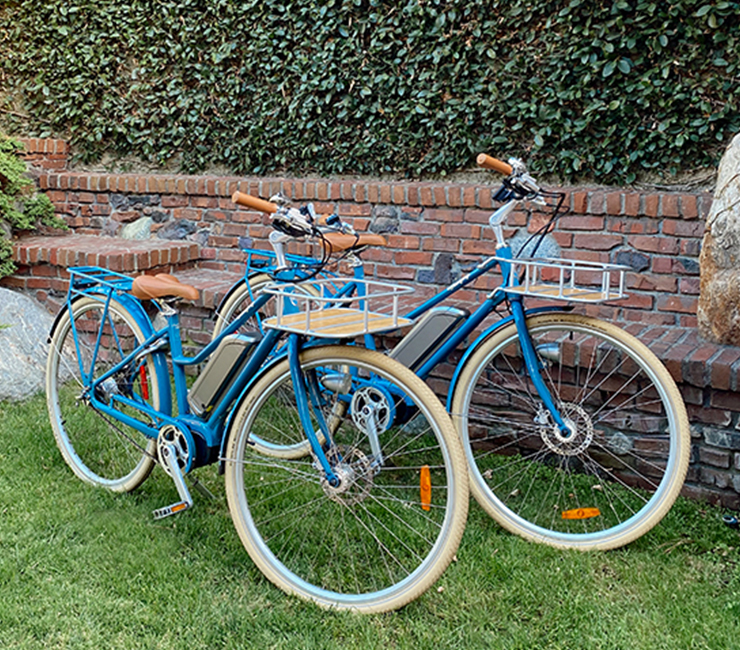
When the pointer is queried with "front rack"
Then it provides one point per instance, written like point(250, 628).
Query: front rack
point(337, 308)
point(560, 279)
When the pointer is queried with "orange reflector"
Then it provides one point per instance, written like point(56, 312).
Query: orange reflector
point(581, 513)
point(144, 382)
point(425, 488)
point(179, 506)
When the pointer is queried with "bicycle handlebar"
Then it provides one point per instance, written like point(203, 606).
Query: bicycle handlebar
point(489, 162)
point(254, 202)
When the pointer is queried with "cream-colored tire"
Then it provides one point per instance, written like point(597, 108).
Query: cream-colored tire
point(622, 464)
point(375, 541)
point(99, 450)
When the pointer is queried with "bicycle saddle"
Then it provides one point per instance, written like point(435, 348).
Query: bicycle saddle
point(162, 285)
point(341, 242)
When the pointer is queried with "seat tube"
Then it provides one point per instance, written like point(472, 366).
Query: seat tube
point(534, 369)
point(304, 412)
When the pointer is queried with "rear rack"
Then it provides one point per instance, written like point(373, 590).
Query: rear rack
point(85, 277)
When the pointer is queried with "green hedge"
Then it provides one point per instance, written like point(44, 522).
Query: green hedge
point(582, 89)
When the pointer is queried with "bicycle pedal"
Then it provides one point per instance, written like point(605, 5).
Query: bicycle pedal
point(169, 458)
point(167, 511)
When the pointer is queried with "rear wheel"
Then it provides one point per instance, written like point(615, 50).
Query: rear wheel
point(100, 450)
point(384, 534)
point(618, 472)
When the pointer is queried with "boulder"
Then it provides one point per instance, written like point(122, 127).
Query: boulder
point(719, 301)
point(24, 330)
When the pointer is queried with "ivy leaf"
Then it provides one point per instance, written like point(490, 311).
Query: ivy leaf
point(609, 68)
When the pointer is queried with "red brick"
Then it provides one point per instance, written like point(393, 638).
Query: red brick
point(404, 242)
point(681, 304)
point(443, 245)
point(651, 202)
point(586, 222)
point(683, 228)
point(399, 194)
point(420, 228)
point(689, 286)
point(460, 231)
point(614, 203)
point(413, 257)
point(385, 193)
point(662, 265)
point(174, 201)
point(412, 194)
point(645, 243)
point(662, 283)
point(669, 205)
point(689, 208)
point(709, 416)
point(395, 272)
point(720, 368)
point(580, 202)
point(443, 214)
point(596, 241)
point(354, 209)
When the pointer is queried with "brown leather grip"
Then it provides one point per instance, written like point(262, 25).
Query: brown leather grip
point(254, 202)
point(489, 162)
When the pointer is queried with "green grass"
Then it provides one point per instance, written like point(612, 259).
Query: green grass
point(82, 568)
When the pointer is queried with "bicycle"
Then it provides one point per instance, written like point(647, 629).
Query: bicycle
point(575, 433)
point(370, 514)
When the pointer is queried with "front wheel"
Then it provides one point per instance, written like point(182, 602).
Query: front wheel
point(385, 533)
point(622, 466)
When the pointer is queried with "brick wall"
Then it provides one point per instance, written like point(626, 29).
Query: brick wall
point(435, 231)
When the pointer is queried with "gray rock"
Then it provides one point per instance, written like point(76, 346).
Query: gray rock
point(718, 312)
point(384, 225)
point(119, 201)
point(523, 246)
point(177, 229)
point(636, 261)
point(24, 329)
point(139, 229)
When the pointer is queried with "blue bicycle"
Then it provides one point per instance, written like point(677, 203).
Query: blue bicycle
point(574, 432)
point(364, 513)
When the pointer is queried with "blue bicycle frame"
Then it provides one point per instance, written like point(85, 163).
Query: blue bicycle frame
point(87, 281)
point(490, 304)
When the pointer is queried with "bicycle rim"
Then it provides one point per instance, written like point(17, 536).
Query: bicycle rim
point(375, 543)
point(618, 473)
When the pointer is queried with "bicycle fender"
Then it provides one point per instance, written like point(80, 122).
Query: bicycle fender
point(479, 341)
point(234, 288)
point(237, 286)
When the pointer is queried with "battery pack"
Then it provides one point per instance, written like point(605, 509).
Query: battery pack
point(223, 366)
point(428, 335)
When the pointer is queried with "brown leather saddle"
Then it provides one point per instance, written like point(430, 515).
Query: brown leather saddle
point(162, 285)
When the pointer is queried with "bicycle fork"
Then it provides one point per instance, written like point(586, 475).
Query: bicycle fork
point(534, 370)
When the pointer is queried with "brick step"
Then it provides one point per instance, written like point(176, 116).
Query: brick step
point(113, 253)
point(42, 261)
point(213, 285)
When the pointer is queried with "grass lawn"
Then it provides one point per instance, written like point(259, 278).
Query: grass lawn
point(82, 568)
